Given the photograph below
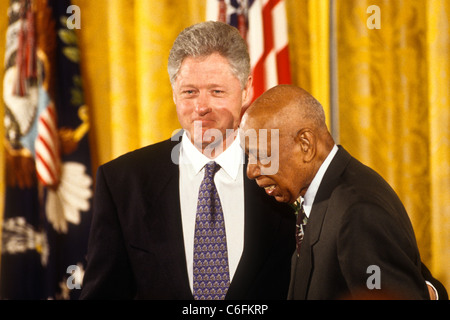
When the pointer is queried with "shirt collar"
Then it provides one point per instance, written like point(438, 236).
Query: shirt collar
point(310, 194)
point(229, 160)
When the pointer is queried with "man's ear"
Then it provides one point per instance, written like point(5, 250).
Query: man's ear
point(307, 141)
point(173, 96)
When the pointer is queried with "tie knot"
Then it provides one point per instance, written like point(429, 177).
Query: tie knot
point(211, 168)
point(297, 206)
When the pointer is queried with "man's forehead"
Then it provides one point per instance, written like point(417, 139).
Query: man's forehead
point(259, 138)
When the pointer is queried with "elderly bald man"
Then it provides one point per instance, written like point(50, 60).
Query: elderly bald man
point(354, 236)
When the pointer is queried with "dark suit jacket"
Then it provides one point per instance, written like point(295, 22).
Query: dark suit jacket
point(357, 221)
point(136, 248)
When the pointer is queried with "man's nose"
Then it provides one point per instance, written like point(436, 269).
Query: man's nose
point(202, 104)
point(253, 171)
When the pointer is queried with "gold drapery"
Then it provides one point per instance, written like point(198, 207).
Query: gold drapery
point(394, 109)
point(393, 86)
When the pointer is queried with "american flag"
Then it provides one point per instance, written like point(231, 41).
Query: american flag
point(48, 192)
point(263, 24)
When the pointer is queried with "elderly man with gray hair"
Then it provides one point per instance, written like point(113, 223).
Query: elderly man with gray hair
point(180, 219)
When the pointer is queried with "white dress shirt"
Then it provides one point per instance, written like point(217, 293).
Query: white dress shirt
point(310, 195)
point(229, 182)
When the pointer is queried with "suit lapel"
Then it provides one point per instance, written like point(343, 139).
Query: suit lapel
point(166, 230)
point(329, 182)
point(302, 266)
point(261, 225)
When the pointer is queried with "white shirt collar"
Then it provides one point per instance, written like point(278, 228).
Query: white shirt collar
point(310, 194)
point(229, 160)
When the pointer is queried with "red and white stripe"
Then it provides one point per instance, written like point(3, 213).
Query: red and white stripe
point(48, 161)
point(267, 39)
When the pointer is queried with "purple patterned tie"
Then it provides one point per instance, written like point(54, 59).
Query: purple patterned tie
point(211, 275)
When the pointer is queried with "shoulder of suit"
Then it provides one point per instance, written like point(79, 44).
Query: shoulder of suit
point(152, 156)
point(359, 183)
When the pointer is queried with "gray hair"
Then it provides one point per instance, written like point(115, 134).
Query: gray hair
point(205, 38)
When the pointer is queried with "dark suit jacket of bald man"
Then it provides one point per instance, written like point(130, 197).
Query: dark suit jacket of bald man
point(136, 247)
point(357, 221)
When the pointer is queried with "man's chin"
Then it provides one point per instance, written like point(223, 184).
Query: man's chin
point(204, 142)
point(281, 198)
point(211, 149)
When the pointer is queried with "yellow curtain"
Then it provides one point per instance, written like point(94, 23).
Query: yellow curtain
point(308, 24)
point(395, 110)
point(438, 49)
point(393, 85)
